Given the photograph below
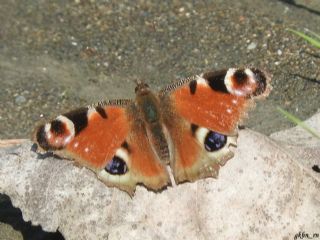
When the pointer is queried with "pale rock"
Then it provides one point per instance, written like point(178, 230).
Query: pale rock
point(264, 192)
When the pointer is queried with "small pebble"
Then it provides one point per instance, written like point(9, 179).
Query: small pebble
point(20, 99)
point(251, 46)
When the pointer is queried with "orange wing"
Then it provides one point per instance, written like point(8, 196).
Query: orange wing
point(202, 114)
point(108, 140)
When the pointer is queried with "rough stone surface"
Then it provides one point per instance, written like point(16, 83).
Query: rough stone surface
point(298, 136)
point(301, 144)
point(262, 193)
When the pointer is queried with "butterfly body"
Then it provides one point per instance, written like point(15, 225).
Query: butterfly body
point(149, 107)
point(190, 125)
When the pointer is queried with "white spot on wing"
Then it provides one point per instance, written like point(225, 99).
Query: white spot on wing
point(200, 79)
point(90, 111)
point(47, 128)
point(67, 139)
point(251, 76)
point(201, 134)
point(241, 92)
point(121, 153)
point(228, 79)
point(69, 125)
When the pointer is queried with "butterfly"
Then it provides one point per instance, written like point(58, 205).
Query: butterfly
point(191, 126)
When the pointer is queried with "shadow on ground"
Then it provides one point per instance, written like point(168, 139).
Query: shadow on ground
point(13, 216)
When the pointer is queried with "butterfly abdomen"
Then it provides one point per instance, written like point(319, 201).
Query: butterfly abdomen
point(150, 112)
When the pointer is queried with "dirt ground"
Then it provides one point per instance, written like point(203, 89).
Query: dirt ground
point(58, 55)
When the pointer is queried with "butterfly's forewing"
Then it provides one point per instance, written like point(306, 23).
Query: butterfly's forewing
point(202, 114)
point(108, 139)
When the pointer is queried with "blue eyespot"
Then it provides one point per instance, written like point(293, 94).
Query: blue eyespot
point(214, 141)
point(116, 166)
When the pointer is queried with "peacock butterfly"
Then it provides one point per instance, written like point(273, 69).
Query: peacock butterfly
point(190, 125)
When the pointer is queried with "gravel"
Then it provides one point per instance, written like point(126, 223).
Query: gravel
point(58, 55)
